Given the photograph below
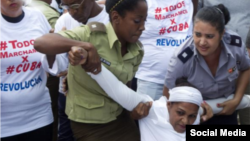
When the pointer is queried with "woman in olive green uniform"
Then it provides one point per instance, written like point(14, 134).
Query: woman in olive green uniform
point(94, 116)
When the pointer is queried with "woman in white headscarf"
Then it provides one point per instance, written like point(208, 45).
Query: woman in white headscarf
point(167, 118)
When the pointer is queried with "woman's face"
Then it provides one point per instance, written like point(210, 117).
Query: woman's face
point(206, 38)
point(182, 114)
point(130, 27)
point(11, 8)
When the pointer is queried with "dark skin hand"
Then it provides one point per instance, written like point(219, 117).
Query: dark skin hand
point(141, 110)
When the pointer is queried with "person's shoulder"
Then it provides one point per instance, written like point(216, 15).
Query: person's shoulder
point(96, 27)
point(186, 51)
point(232, 39)
point(159, 109)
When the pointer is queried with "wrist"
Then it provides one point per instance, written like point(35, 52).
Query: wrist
point(204, 111)
point(236, 100)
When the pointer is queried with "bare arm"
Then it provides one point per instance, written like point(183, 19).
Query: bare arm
point(195, 4)
point(165, 92)
point(248, 41)
point(52, 44)
point(230, 105)
point(101, 2)
point(242, 85)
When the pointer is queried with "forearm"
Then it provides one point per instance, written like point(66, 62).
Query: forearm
point(244, 103)
point(165, 92)
point(242, 83)
point(195, 5)
point(52, 44)
point(118, 91)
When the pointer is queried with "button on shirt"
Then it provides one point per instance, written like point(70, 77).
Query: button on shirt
point(187, 62)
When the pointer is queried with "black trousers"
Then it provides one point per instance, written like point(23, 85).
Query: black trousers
point(40, 134)
point(53, 86)
point(121, 129)
point(64, 132)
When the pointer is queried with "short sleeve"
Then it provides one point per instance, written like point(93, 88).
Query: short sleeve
point(177, 66)
point(243, 58)
point(248, 40)
point(175, 70)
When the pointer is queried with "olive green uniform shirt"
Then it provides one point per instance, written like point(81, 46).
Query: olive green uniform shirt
point(50, 13)
point(86, 101)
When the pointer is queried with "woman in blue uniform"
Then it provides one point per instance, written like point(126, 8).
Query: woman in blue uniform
point(212, 60)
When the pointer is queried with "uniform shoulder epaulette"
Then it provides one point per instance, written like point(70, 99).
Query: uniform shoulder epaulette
point(186, 54)
point(140, 44)
point(233, 40)
point(96, 26)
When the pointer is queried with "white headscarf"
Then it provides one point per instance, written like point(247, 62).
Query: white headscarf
point(185, 94)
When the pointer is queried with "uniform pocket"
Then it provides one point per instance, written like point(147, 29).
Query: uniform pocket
point(91, 109)
point(90, 102)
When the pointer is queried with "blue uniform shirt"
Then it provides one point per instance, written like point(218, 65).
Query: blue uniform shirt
point(187, 62)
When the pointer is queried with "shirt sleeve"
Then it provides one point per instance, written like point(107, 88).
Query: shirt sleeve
point(243, 58)
point(248, 40)
point(60, 64)
point(175, 70)
point(52, 22)
point(123, 95)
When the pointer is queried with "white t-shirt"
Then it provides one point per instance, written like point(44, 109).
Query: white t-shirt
point(25, 99)
point(67, 21)
point(61, 62)
point(169, 23)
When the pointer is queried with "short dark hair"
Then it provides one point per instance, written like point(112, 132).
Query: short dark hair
point(218, 16)
point(183, 81)
point(121, 6)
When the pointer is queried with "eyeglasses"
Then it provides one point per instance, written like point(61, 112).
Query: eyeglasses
point(72, 6)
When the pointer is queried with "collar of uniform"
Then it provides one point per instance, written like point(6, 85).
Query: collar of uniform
point(226, 49)
point(133, 49)
point(111, 35)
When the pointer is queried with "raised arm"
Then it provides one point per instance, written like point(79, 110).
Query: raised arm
point(54, 43)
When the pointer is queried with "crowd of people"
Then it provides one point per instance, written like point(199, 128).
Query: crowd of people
point(122, 70)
